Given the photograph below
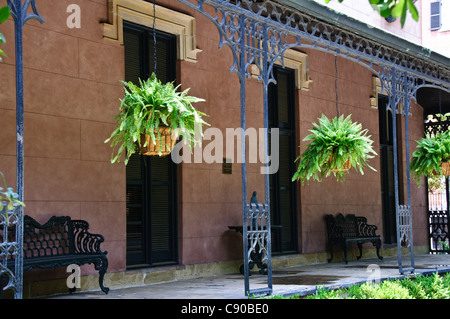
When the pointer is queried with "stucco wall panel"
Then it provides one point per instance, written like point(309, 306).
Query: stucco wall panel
point(8, 140)
point(94, 67)
point(51, 136)
point(70, 97)
point(94, 149)
point(57, 53)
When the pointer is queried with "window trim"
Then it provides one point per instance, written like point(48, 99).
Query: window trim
point(168, 21)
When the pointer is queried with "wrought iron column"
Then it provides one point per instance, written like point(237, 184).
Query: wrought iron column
point(400, 88)
point(409, 90)
point(19, 13)
point(245, 211)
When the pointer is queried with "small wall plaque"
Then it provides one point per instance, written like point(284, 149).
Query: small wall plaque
point(226, 166)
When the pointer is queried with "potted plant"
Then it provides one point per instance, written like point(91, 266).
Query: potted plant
point(152, 116)
point(431, 156)
point(336, 145)
point(8, 199)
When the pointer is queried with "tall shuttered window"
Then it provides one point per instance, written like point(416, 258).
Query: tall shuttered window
point(282, 190)
point(151, 180)
point(387, 171)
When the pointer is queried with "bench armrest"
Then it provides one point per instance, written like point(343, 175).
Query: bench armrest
point(364, 229)
point(84, 241)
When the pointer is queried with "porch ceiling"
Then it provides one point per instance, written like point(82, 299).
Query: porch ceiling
point(433, 100)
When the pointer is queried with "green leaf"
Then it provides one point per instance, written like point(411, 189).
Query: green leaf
point(413, 10)
point(397, 9)
point(4, 14)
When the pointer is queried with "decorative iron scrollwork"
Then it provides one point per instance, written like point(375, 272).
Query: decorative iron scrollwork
point(439, 231)
point(404, 224)
point(257, 236)
point(10, 248)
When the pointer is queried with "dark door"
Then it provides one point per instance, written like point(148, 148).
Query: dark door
point(151, 180)
point(282, 190)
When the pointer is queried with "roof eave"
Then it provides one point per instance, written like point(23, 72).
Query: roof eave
point(378, 35)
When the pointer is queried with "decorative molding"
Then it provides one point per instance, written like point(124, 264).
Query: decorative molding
point(167, 20)
point(297, 61)
point(376, 89)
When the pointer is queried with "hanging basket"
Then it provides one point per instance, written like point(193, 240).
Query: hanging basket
point(347, 165)
point(154, 148)
point(445, 168)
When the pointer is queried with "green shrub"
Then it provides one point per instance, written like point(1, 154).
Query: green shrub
point(385, 290)
point(323, 293)
point(433, 286)
point(421, 287)
point(416, 289)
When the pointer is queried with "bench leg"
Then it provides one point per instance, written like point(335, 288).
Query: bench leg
point(330, 247)
point(360, 251)
point(377, 244)
point(345, 252)
point(102, 265)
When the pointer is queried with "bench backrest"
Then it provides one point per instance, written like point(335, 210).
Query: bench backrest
point(350, 226)
point(54, 238)
point(341, 227)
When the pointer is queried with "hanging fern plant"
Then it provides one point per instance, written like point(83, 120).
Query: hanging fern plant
point(151, 109)
point(431, 157)
point(335, 144)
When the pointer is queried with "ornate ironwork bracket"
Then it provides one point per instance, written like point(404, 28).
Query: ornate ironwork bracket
point(19, 12)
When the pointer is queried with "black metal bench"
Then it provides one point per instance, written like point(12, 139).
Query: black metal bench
point(351, 229)
point(59, 242)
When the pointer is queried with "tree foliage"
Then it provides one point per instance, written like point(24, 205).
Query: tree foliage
point(394, 8)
